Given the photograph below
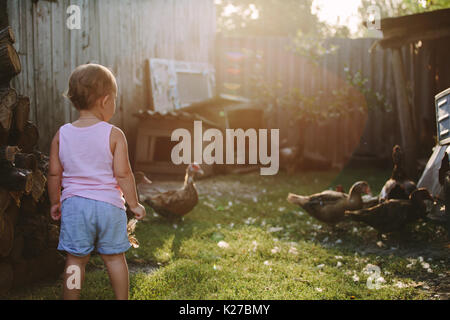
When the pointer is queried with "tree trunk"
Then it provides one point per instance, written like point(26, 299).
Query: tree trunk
point(9, 63)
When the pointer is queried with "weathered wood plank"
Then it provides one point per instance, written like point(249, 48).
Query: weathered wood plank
point(404, 112)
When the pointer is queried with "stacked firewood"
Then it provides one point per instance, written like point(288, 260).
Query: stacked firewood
point(28, 236)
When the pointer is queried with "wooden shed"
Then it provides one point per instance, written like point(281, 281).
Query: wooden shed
point(430, 176)
point(181, 93)
point(154, 145)
point(417, 82)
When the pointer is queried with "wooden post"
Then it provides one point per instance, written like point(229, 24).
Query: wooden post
point(405, 113)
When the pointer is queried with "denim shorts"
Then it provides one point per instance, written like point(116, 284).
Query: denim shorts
point(88, 224)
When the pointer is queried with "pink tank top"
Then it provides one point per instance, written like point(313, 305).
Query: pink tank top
point(87, 160)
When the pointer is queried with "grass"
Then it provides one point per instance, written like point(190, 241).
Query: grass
point(275, 250)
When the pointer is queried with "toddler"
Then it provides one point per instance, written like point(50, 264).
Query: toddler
point(89, 159)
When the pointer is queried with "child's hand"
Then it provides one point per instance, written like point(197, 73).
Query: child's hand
point(139, 211)
point(55, 211)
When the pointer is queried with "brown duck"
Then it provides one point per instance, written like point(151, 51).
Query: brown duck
point(393, 215)
point(329, 206)
point(398, 186)
point(174, 204)
point(368, 199)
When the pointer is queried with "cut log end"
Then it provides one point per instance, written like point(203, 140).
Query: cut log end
point(8, 153)
point(7, 35)
point(38, 187)
point(9, 63)
point(8, 100)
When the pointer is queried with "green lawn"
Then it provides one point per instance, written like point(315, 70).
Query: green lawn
point(275, 250)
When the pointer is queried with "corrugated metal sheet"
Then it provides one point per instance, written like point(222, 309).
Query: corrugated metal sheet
point(174, 115)
point(119, 34)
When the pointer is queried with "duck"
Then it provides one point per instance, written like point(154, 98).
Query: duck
point(173, 204)
point(398, 178)
point(329, 206)
point(144, 186)
point(393, 215)
point(368, 199)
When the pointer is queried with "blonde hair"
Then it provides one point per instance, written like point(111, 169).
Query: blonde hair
point(88, 83)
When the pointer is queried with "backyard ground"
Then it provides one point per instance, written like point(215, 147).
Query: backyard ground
point(244, 241)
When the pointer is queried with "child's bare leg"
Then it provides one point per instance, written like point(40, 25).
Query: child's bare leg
point(118, 274)
point(74, 276)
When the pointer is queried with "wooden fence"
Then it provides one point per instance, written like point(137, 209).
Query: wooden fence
point(120, 34)
point(123, 34)
point(371, 134)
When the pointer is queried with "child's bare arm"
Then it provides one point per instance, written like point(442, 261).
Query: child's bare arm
point(54, 176)
point(122, 168)
point(55, 171)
